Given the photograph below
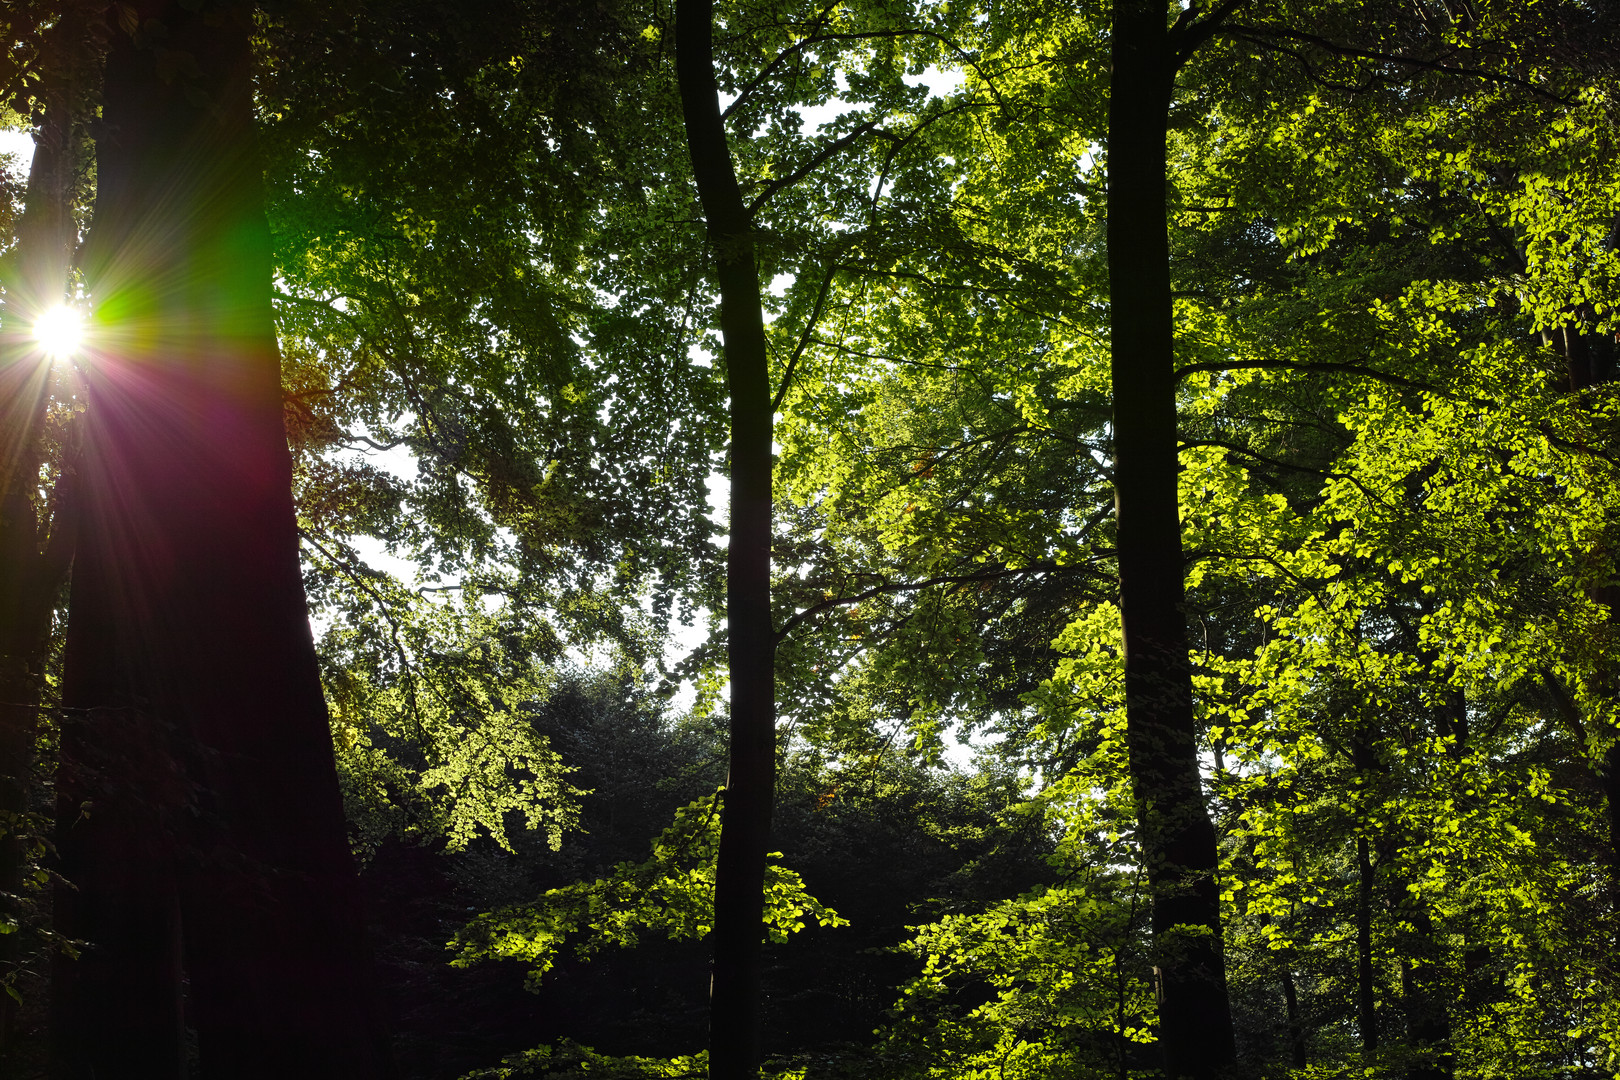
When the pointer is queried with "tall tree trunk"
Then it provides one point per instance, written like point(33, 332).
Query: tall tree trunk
point(197, 786)
point(1425, 993)
point(1590, 361)
point(1608, 598)
point(1609, 778)
point(1178, 840)
point(1296, 1022)
point(1366, 999)
point(1428, 1021)
point(734, 1016)
point(33, 547)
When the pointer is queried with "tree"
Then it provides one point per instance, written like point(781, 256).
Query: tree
point(1396, 516)
point(475, 382)
point(199, 819)
point(734, 1048)
point(1177, 838)
point(35, 537)
point(1340, 450)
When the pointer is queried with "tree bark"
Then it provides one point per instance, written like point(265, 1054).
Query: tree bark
point(734, 1018)
point(1296, 1023)
point(197, 788)
point(1366, 999)
point(1428, 1021)
point(33, 547)
point(1178, 840)
point(1590, 361)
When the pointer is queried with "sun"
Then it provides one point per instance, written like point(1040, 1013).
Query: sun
point(59, 331)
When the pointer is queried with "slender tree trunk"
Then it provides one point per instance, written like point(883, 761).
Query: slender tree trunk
point(1588, 358)
point(734, 1017)
point(197, 786)
point(1590, 361)
point(1426, 995)
point(1364, 760)
point(1478, 988)
point(1608, 598)
point(33, 551)
point(1428, 1022)
point(1366, 1000)
point(1609, 778)
point(1178, 840)
point(1296, 1023)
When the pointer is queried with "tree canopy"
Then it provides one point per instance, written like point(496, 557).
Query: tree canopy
point(1029, 540)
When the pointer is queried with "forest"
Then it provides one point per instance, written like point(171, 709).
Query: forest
point(810, 539)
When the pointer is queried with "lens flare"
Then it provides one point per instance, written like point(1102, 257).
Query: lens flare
point(59, 331)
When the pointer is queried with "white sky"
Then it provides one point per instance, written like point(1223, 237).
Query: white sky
point(21, 144)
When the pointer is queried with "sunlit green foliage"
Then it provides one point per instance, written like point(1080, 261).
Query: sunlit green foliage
point(671, 891)
point(571, 1060)
point(1394, 239)
point(1400, 521)
point(463, 395)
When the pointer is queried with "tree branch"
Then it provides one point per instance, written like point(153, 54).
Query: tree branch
point(1261, 33)
point(354, 575)
point(1190, 32)
point(808, 167)
point(1284, 365)
point(964, 57)
point(906, 586)
point(804, 338)
point(1274, 463)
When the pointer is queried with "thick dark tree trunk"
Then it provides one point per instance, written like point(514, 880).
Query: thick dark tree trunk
point(33, 548)
point(1178, 840)
point(734, 1018)
point(197, 787)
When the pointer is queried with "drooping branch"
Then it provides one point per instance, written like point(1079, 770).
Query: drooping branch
point(804, 338)
point(1292, 365)
point(816, 161)
point(967, 60)
point(892, 587)
point(1269, 34)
